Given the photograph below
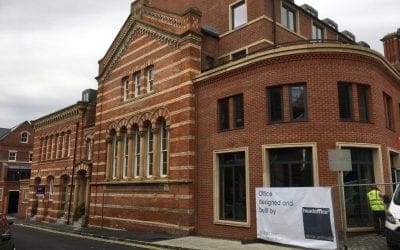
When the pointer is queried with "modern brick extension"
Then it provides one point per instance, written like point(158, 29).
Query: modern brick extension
point(200, 102)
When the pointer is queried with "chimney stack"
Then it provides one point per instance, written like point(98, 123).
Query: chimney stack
point(391, 45)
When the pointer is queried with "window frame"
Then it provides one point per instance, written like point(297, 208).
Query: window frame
point(125, 155)
point(270, 104)
point(285, 20)
point(23, 139)
point(136, 80)
point(349, 100)
point(137, 154)
point(114, 163)
point(315, 27)
point(14, 153)
point(30, 157)
point(149, 151)
point(266, 162)
point(305, 106)
point(51, 188)
point(164, 135)
point(388, 109)
point(216, 189)
point(365, 101)
point(230, 107)
point(232, 8)
point(125, 83)
point(150, 79)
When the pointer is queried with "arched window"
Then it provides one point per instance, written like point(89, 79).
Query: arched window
point(115, 157)
point(125, 155)
point(50, 182)
point(137, 154)
point(149, 137)
point(164, 141)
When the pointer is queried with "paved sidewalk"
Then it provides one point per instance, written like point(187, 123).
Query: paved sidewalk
point(164, 241)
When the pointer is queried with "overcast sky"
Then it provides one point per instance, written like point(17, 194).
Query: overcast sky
point(49, 48)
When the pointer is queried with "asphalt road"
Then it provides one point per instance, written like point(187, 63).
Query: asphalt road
point(35, 239)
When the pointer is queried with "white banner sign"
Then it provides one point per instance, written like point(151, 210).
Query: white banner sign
point(298, 216)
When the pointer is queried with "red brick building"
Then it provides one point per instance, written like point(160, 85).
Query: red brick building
point(16, 151)
point(200, 102)
point(62, 163)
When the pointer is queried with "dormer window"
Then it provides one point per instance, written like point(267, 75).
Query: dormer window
point(24, 137)
point(150, 79)
point(288, 18)
point(317, 32)
point(238, 14)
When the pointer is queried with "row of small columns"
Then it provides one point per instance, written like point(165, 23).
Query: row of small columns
point(131, 150)
point(55, 146)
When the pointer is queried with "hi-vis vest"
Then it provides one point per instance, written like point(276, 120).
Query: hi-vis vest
point(375, 201)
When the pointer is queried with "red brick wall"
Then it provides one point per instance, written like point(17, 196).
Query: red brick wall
point(321, 73)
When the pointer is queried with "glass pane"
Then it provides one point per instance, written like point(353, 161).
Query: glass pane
point(298, 102)
point(238, 111)
point(275, 104)
point(363, 103)
point(357, 207)
point(223, 114)
point(345, 101)
point(232, 186)
point(239, 15)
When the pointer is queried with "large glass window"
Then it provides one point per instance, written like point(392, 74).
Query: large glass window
point(298, 103)
point(363, 102)
point(125, 83)
point(223, 110)
point(345, 101)
point(288, 18)
point(357, 207)
point(291, 167)
point(239, 15)
point(232, 186)
point(275, 104)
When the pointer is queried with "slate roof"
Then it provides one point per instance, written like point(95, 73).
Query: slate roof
point(4, 132)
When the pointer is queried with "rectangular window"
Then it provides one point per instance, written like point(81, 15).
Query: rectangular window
point(298, 102)
point(291, 167)
point(68, 144)
point(238, 14)
point(232, 186)
point(363, 102)
point(275, 104)
point(149, 151)
point(30, 156)
point(164, 149)
point(223, 110)
point(231, 113)
point(126, 88)
point(125, 160)
point(317, 32)
point(115, 158)
point(288, 18)
point(24, 137)
point(150, 79)
point(345, 101)
point(388, 104)
point(137, 154)
point(12, 156)
point(51, 188)
point(238, 55)
point(136, 79)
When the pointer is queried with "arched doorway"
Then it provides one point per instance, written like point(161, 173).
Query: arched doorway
point(81, 197)
point(35, 201)
point(64, 195)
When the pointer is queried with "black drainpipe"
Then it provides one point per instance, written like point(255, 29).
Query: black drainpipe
point(73, 173)
point(274, 23)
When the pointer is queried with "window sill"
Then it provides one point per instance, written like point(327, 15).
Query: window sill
point(138, 181)
point(231, 129)
point(232, 223)
point(54, 160)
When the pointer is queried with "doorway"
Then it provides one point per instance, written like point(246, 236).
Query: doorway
point(13, 199)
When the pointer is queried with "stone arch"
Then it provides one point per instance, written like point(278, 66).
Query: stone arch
point(123, 123)
point(83, 167)
point(112, 127)
point(144, 119)
point(162, 114)
point(134, 121)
